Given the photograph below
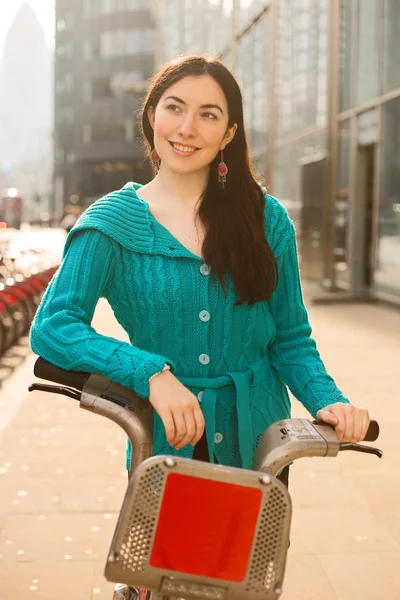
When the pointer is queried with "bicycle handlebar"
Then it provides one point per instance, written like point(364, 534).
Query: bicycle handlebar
point(77, 380)
point(282, 443)
point(48, 371)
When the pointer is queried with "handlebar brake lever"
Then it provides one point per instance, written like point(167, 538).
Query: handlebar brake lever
point(55, 389)
point(361, 448)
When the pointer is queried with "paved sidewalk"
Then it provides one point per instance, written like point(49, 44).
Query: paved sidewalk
point(62, 481)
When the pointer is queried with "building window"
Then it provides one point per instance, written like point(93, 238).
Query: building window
point(108, 131)
point(87, 9)
point(127, 42)
point(247, 10)
point(65, 23)
point(69, 115)
point(69, 20)
point(65, 115)
point(118, 84)
point(95, 8)
point(245, 75)
point(69, 82)
point(391, 45)
point(367, 80)
point(60, 154)
point(347, 23)
point(69, 50)
point(101, 88)
point(128, 82)
point(61, 25)
point(387, 274)
point(87, 134)
point(129, 130)
point(301, 64)
point(87, 91)
point(252, 72)
point(113, 6)
point(170, 31)
point(87, 50)
point(60, 86)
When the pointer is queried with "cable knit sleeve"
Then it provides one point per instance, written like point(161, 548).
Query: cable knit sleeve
point(293, 352)
point(61, 332)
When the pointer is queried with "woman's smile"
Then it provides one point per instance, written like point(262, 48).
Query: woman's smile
point(183, 149)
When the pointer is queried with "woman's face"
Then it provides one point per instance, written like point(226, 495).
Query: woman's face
point(191, 124)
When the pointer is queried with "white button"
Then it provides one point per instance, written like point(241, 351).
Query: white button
point(218, 437)
point(204, 359)
point(205, 269)
point(200, 396)
point(204, 315)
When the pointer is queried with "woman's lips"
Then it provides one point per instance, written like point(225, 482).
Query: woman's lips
point(183, 150)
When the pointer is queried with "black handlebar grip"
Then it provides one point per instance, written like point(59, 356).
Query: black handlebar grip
point(48, 371)
point(373, 432)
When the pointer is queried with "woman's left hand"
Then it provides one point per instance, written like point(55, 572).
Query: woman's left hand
point(351, 423)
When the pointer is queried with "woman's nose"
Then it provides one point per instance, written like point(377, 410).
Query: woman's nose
point(187, 126)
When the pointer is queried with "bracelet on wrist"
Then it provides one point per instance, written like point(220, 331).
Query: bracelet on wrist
point(165, 368)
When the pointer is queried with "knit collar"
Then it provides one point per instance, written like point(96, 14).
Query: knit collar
point(127, 219)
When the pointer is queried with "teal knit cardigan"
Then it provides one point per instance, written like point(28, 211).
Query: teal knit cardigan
point(238, 360)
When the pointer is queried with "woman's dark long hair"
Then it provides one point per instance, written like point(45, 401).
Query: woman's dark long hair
point(233, 216)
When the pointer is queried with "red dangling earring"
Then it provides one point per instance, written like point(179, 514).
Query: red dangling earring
point(155, 161)
point(222, 171)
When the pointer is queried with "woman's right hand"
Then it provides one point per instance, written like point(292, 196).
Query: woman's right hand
point(178, 409)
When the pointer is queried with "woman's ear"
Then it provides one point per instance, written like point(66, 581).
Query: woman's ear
point(230, 134)
point(150, 115)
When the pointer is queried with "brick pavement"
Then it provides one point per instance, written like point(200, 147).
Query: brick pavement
point(62, 481)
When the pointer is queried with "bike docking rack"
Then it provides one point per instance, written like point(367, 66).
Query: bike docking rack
point(20, 296)
point(190, 529)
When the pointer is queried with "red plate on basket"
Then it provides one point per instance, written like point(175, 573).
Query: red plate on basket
point(206, 527)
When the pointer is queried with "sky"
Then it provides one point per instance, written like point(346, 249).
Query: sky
point(44, 10)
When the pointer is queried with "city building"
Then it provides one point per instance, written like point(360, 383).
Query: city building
point(26, 114)
point(104, 56)
point(321, 89)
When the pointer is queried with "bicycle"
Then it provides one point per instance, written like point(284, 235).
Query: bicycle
point(163, 547)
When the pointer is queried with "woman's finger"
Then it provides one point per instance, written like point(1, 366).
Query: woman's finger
point(327, 417)
point(348, 414)
point(365, 421)
point(180, 426)
point(340, 427)
point(190, 430)
point(357, 426)
point(200, 424)
point(169, 425)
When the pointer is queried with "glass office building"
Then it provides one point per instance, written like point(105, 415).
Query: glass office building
point(104, 56)
point(368, 127)
point(321, 89)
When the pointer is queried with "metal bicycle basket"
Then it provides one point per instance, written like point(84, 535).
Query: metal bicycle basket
point(196, 530)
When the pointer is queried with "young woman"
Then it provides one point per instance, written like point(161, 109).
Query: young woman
point(201, 270)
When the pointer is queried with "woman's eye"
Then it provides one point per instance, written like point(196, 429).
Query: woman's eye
point(210, 116)
point(172, 107)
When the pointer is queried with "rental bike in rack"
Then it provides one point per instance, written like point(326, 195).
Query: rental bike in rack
point(194, 530)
